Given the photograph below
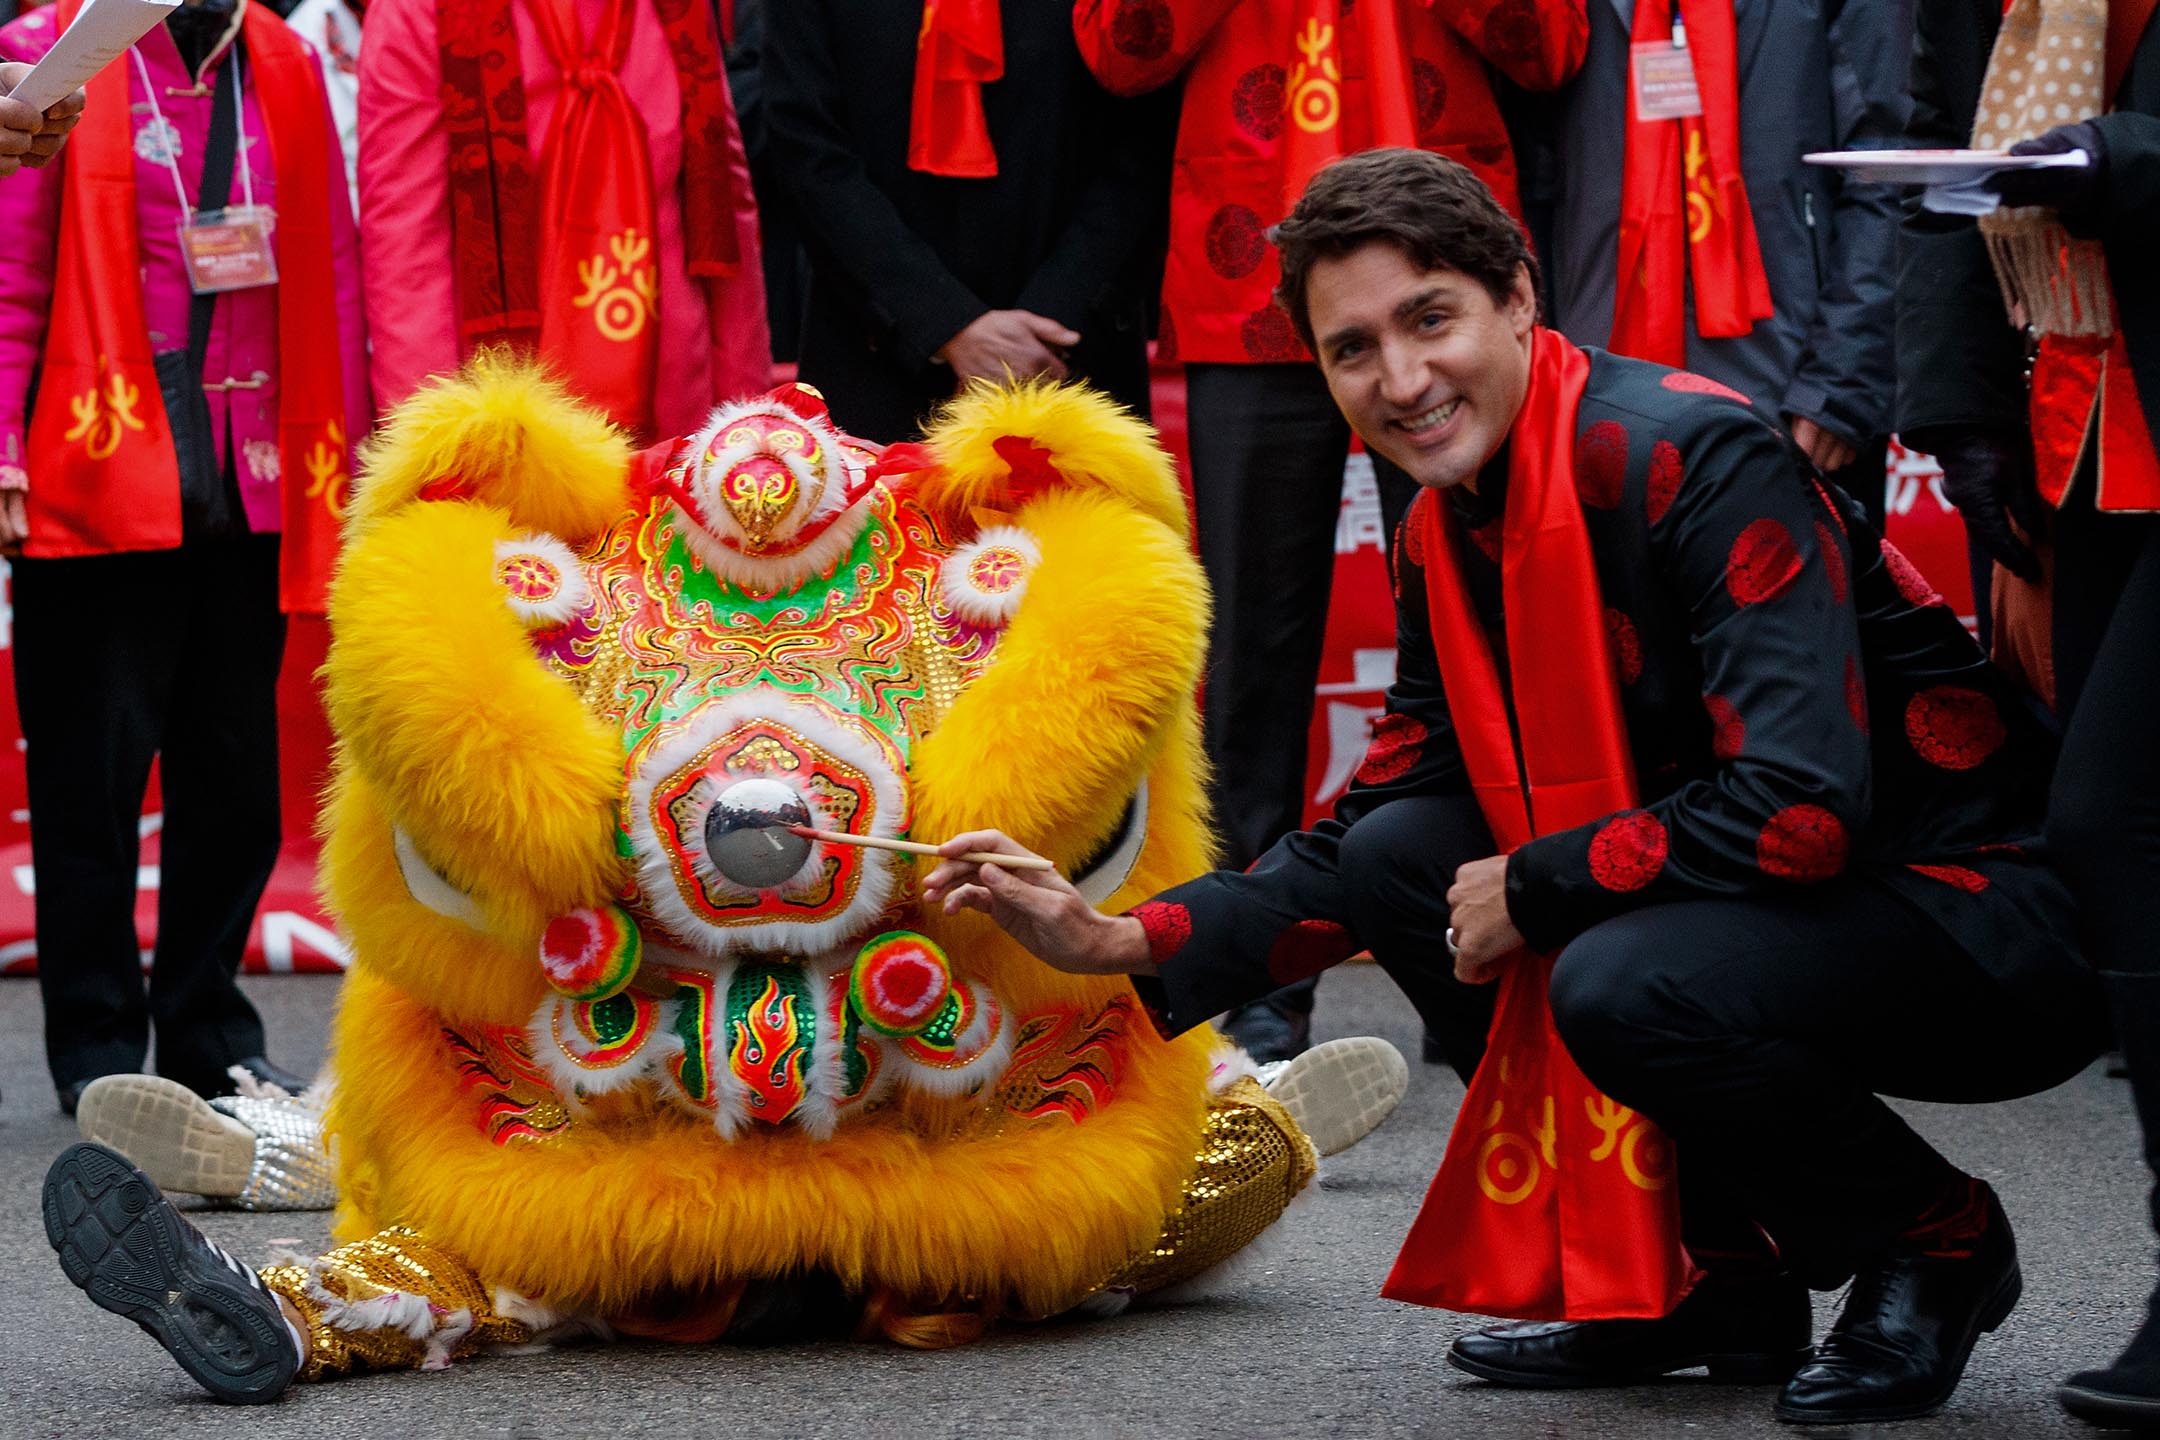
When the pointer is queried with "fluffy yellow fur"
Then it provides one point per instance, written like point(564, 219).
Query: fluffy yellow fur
point(452, 729)
point(513, 436)
point(1094, 441)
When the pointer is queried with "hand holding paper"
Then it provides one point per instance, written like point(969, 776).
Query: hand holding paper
point(29, 136)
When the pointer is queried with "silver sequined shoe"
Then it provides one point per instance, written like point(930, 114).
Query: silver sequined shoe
point(259, 1151)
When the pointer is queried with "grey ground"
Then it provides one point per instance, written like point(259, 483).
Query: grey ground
point(1302, 1346)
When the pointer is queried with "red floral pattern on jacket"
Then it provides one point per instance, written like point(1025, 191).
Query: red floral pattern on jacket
point(1234, 56)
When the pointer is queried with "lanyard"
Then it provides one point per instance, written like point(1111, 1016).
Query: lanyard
point(171, 132)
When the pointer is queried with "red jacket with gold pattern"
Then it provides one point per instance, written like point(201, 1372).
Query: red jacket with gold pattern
point(1236, 57)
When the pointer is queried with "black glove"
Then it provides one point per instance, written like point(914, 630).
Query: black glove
point(1988, 475)
point(2066, 191)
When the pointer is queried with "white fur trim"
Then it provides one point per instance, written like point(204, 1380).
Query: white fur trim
point(778, 574)
point(656, 877)
point(427, 886)
point(827, 976)
point(559, 1048)
point(987, 1044)
point(969, 598)
point(549, 1325)
point(782, 566)
point(573, 592)
point(731, 1098)
point(1228, 1065)
point(1108, 875)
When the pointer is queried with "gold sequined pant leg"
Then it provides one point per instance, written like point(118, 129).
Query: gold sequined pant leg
point(392, 1301)
point(1253, 1160)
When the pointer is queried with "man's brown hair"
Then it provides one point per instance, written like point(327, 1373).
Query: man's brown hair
point(1434, 210)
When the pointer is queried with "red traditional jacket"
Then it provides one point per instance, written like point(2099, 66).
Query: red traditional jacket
point(1245, 63)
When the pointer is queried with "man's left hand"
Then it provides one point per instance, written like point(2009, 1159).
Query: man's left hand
point(1829, 450)
point(1485, 935)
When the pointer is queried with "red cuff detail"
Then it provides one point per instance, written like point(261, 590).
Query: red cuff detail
point(1168, 926)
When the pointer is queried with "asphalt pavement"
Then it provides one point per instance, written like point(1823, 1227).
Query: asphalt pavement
point(1298, 1344)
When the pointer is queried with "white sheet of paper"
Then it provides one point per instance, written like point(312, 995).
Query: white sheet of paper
point(101, 34)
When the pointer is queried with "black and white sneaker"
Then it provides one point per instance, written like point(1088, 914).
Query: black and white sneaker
point(135, 1255)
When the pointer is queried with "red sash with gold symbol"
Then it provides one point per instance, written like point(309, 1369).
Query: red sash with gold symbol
point(1553, 1202)
point(1707, 234)
point(600, 303)
point(1313, 87)
point(103, 473)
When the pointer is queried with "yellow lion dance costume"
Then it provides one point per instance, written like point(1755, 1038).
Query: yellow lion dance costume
point(618, 1051)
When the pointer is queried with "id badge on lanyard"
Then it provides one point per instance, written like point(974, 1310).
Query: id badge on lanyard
point(228, 249)
point(1665, 86)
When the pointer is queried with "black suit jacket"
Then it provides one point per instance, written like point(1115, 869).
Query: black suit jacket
point(1072, 226)
point(1799, 704)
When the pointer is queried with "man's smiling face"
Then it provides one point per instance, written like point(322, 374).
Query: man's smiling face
point(1426, 367)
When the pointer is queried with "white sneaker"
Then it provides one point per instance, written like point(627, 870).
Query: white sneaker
point(1340, 1091)
point(258, 1152)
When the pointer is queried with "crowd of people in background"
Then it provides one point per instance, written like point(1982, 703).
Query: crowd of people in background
point(668, 199)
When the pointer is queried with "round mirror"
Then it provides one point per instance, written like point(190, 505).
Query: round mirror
point(747, 836)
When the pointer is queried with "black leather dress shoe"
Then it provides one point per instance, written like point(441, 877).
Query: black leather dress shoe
point(211, 1086)
point(270, 1074)
point(2126, 1394)
point(1900, 1344)
point(71, 1096)
point(1745, 1332)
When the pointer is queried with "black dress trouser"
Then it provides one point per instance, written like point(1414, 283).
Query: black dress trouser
point(2104, 812)
point(1759, 1032)
point(119, 659)
point(1267, 460)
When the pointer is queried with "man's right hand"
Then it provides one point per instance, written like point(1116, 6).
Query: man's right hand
point(28, 137)
point(1018, 343)
point(1988, 476)
point(1038, 908)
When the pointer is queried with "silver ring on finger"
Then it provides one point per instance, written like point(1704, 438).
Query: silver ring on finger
point(1453, 949)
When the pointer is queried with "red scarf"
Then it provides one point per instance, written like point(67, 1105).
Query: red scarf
point(493, 201)
point(105, 474)
point(960, 49)
point(1313, 132)
point(1684, 212)
point(600, 301)
point(2074, 375)
point(1553, 1202)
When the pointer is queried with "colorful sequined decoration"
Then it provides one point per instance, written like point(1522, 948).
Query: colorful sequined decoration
point(590, 954)
point(513, 1099)
point(772, 1032)
point(693, 1027)
point(1065, 1063)
point(900, 983)
point(607, 1033)
point(955, 1038)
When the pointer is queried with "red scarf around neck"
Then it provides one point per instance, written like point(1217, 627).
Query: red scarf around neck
point(495, 207)
point(1318, 95)
point(960, 49)
point(104, 475)
point(1684, 212)
point(1553, 1202)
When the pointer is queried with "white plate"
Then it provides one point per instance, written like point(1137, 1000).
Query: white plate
point(1935, 167)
